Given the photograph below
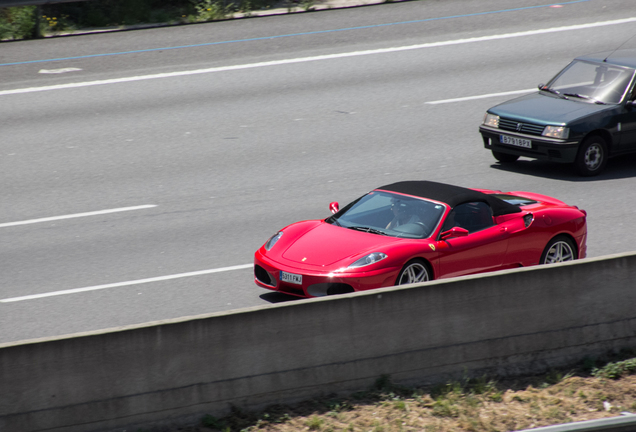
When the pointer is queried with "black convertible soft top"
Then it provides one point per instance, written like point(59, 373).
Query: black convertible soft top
point(451, 195)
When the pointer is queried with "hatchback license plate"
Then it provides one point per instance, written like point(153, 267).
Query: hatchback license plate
point(291, 278)
point(518, 142)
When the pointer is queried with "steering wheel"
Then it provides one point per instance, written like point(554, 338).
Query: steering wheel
point(427, 230)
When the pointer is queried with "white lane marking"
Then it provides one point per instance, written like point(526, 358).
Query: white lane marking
point(128, 283)
point(76, 215)
point(58, 71)
point(443, 101)
point(317, 58)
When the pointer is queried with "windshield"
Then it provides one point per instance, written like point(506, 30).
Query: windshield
point(390, 214)
point(592, 82)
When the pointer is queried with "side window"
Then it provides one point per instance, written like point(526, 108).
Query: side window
point(474, 216)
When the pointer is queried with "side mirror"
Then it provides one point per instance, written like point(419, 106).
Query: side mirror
point(454, 232)
point(334, 207)
point(541, 86)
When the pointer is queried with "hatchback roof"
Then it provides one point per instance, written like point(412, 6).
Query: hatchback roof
point(624, 57)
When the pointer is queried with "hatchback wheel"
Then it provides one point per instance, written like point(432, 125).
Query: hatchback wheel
point(592, 156)
point(504, 157)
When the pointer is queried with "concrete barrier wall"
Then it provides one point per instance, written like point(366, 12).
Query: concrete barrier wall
point(503, 323)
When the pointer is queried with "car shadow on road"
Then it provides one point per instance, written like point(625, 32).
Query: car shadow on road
point(277, 297)
point(617, 168)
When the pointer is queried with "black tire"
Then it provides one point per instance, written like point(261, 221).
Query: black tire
point(414, 271)
point(559, 249)
point(592, 156)
point(504, 157)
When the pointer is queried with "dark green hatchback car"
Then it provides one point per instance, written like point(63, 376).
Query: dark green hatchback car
point(584, 115)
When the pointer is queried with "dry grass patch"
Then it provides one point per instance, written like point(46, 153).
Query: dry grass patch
point(472, 405)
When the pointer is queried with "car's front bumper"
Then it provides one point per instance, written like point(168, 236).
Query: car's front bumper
point(543, 148)
point(317, 283)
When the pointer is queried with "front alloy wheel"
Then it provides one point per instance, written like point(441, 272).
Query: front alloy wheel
point(560, 249)
point(413, 272)
point(592, 156)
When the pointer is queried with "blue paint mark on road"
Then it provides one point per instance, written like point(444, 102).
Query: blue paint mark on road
point(293, 34)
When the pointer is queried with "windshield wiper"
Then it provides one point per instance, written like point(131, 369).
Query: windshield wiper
point(553, 91)
point(333, 219)
point(367, 229)
point(580, 96)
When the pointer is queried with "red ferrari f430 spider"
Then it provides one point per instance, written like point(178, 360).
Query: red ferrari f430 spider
point(416, 231)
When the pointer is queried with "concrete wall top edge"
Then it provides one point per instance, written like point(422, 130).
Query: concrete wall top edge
point(308, 302)
point(139, 326)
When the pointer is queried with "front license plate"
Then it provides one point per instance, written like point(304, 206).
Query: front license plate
point(519, 142)
point(291, 278)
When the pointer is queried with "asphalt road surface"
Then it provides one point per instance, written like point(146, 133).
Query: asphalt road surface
point(141, 169)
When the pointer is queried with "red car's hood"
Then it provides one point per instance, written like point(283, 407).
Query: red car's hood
point(327, 244)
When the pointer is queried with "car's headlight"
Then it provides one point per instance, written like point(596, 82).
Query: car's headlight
point(368, 260)
point(273, 239)
point(491, 120)
point(560, 132)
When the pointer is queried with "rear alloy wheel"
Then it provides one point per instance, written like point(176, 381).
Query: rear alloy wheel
point(413, 272)
point(559, 249)
point(504, 157)
point(592, 156)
